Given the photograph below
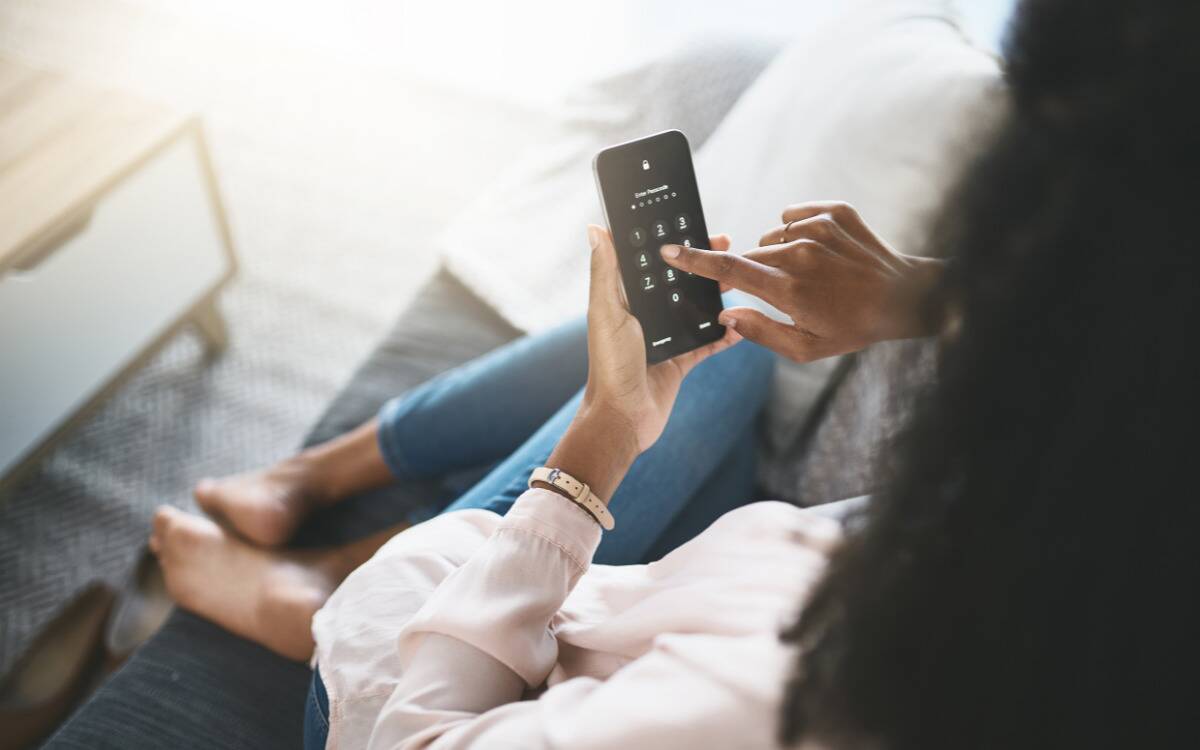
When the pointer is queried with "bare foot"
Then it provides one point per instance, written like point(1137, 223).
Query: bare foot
point(265, 596)
point(265, 506)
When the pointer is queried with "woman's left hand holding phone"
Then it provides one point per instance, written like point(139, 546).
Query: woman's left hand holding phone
point(626, 402)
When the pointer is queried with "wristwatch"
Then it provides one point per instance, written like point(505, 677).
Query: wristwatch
point(575, 491)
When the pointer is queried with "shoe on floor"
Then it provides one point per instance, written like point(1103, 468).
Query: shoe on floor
point(140, 610)
point(53, 674)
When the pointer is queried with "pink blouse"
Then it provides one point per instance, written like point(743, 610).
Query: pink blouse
point(476, 631)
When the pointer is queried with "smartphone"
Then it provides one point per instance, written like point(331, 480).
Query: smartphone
point(649, 195)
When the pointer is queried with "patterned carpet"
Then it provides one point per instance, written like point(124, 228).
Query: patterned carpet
point(321, 184)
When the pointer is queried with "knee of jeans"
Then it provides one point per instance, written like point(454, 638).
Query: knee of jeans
point(390, 416)
point(758, 357)
point(748, 364)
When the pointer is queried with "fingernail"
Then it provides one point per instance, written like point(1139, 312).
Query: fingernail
point(728, 321)
point(593, 236)
point(670, 251)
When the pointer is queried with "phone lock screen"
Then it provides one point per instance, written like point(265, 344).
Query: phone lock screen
point(650, 199)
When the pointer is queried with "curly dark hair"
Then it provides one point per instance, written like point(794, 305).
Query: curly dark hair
point(1032, 576)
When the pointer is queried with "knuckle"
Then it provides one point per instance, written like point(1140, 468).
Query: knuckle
point(800, 253)
point(724, 264)
point(842, 211)
point(824, 227)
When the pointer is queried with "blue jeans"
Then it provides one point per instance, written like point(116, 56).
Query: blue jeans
point(508, 410)
point(316, 714)
point(510, 407)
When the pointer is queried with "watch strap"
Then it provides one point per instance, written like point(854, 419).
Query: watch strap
point(575, 491)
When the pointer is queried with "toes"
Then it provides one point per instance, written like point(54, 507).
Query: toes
point(205, 492)
point(160, 529)
point(163, 515)
point(176, 531)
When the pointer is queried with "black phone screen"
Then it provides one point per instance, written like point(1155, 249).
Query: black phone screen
point(650, 198)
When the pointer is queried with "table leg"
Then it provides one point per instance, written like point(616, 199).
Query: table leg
point(211, 324)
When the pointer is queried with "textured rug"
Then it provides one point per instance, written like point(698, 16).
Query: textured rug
point(333, 189)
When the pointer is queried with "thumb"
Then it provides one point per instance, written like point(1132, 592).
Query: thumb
point(605, 292)
point(757, 327)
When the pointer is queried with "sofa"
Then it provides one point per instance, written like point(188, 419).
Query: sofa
point(194, 685)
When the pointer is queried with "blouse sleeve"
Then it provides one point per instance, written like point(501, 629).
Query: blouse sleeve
point(483, 636)
point(669, 699)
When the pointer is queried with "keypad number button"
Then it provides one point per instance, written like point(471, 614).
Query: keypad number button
point(687, 242)
point(637, 237)
point(647, 283)
point(660, 229)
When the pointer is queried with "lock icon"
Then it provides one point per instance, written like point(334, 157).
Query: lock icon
point(645, 164)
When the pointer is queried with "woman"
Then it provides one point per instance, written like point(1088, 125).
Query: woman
point(1030, 579)
point(505, 410)
point(1012, 591)
point(439, 636)
point(1006, 592)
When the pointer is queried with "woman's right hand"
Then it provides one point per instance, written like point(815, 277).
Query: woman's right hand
point(626, 402)
point(842, 285)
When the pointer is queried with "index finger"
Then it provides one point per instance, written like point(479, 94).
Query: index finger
point(725, 267)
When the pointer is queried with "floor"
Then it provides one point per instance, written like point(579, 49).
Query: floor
point(337, 176)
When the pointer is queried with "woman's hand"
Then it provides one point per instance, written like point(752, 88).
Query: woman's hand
point(626, 402)
point(843, 286)
point(620, 382)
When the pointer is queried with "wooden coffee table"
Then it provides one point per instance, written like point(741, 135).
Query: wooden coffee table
point(112, 237)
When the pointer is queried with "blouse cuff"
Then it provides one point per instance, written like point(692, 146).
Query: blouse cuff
point(503, 598)
point(558, 520)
